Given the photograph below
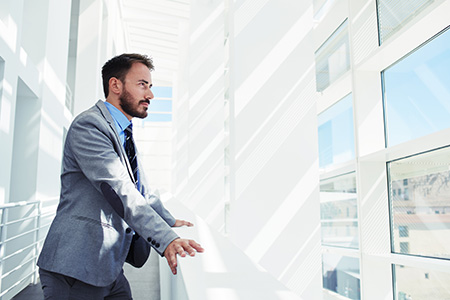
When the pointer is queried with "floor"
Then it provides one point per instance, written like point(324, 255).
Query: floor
point(144, 282)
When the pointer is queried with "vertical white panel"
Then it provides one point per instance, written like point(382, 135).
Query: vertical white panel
point(88, 83)
point(26, 142)
point(199, 115)
point(275, 213)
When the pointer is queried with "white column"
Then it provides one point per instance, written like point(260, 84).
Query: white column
point(88, 84)
point(275, 213)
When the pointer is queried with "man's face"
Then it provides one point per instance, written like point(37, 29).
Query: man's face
point(136, 94)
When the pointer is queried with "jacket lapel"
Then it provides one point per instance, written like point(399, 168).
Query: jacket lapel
point(123, 156)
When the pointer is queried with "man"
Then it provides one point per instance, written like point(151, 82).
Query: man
point(105, 203)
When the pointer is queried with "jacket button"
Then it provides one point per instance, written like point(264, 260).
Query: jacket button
point(153, 242)
point(149, 239)
point(157, 245)
point(128, 230)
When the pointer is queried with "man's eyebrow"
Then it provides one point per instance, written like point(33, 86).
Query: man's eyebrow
point(145, 81)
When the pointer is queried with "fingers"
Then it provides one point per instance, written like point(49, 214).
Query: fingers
point(180, 247)
point(179, 223)
point(196, 246)
point(171, 260)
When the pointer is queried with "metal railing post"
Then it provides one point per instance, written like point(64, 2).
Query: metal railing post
point(36, 241)
point(2, 242)
point(33, 246)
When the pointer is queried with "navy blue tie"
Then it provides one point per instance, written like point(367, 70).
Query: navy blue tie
point(130, 149)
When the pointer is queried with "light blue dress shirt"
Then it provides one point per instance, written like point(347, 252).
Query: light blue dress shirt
point(120, 120)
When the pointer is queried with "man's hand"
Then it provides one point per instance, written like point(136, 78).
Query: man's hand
point(180, 247)
point(179, 223)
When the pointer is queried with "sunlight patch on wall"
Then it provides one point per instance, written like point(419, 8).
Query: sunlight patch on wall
point(262, 73)
point(246, 12)
point(274, 138)
point(205, 154)
point(207, 23)
point(206, 86)
point(275, 110)
point(283, 215)
point(2, 195)
point(8, 32)
point(5, 117)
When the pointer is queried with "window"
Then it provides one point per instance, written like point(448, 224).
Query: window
point(413, 220)
point(417, 283)
point(403, 231)
point(160, 109)
point(339, 211)
point(404, 247)
point(336, 134)
point(393, 15)
point(341, 275)
point(332, 58)
point(416, 92)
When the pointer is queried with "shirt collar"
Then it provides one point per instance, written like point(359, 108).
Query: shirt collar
point(118, 116)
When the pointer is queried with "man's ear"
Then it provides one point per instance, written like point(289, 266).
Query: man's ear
point(115, 85)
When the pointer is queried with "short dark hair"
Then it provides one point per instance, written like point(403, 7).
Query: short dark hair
point(119, 66)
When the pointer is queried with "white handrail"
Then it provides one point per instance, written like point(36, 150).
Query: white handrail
point(223, 271)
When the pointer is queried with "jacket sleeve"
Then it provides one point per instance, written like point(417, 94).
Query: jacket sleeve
point(90, 143)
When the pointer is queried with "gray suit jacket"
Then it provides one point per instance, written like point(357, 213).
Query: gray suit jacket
point(99, 205)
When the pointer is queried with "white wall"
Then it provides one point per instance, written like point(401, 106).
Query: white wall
point(274, 207)
point(33, 94)
point(33, 48)
point(275, 212)
point(199, 115)
point(100, 37)
point(34, 40)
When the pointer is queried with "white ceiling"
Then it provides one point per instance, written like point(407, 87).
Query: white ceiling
point(153, 27)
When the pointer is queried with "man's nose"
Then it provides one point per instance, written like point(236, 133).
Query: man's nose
point(150, 95)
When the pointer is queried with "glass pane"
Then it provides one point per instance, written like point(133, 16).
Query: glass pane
point(160, 109)
point(332, 58)
point(336, 134)
point(393, 15)
point(158, 118)
point(414, 283)
point(341, 275)
point(160, 106)
point(417, 92)
point(419, 193)
point(339, 211)
point(162, 91)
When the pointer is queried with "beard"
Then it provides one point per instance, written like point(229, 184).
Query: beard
point(131, 107)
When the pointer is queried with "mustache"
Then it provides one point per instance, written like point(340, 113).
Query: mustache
point(146, 101)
